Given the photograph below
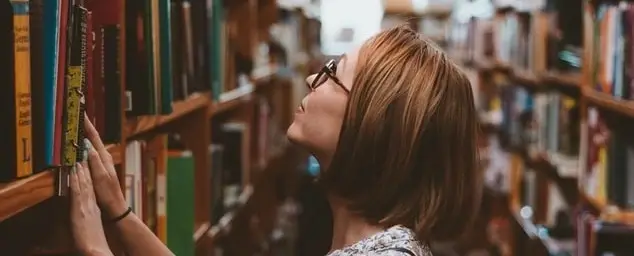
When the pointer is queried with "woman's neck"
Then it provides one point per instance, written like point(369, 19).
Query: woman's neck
point(348, 228)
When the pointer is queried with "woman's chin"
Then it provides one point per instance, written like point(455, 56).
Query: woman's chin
point(293, 133)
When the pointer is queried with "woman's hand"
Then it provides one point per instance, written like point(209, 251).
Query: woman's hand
point(106, 183)
point(85, 215)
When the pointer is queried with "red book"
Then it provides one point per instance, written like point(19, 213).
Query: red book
point(90, 101)
point(61, 83)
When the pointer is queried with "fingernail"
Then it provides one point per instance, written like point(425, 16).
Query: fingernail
point(87, 143)
point(88, 147)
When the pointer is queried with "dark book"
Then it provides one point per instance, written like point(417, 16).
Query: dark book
point(111, 76)
point(216, 152)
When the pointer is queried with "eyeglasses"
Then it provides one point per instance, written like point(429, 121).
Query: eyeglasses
point(327, 71)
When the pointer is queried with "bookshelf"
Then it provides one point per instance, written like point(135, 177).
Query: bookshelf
point(608, 102)
point(168, 107)
point(534, 59)
point(536, 172)
point(25, 193)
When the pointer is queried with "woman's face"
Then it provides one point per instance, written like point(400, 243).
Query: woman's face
point(319, 117)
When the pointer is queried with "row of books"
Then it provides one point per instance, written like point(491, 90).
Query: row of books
point(159, 186)
point(590, 147)
point(160, 174)
point(543, 122)
point(108, 59)
point(612, 49)
point(609, 163)
point(47, 71)
point(549, 122)
point(546, 37)
point(600, 237)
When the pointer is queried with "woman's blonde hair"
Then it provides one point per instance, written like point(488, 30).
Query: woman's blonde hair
point(407, 149)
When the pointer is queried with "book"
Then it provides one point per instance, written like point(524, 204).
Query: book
point(15, 68)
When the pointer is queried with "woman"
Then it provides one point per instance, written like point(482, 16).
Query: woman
point(393, 126)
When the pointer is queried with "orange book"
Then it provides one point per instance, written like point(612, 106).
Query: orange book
point(21, 30)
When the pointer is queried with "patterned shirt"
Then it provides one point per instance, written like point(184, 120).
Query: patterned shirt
point(385, 244)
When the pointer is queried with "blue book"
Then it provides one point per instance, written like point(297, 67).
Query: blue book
point(50, 59)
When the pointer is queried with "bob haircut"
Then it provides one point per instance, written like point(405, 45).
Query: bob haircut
point(407, 147)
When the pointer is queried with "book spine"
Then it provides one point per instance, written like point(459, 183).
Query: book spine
point(61, 81)
point(166, 57)
point(83, 34)
point(112, 78)
point(74, 93)
point(90, 89)
point(22, 61)
point(38, 123)
point(50, 56)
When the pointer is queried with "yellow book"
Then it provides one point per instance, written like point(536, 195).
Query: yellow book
point(73, 99)
point(21, 30)
point(601, 195)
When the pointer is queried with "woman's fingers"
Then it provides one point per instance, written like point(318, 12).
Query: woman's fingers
point(93, 137)
point(87, 174)
point(94, 141)
point(75, 187)
point(84, 183)
point(96, 166)
point(91, 133)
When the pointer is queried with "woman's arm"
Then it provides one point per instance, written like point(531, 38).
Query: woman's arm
point(86, 225)
point(136, 237)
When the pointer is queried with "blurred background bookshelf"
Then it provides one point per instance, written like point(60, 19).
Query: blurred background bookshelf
point(553, 85)
point(193, 99)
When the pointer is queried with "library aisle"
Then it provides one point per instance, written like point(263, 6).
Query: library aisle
point(193, 99)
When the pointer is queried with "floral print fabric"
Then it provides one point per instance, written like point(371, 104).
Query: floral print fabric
point(384, 244)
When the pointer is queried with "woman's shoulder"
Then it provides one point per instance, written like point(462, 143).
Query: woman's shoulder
point(395, 241)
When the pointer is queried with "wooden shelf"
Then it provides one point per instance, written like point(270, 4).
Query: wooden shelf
point(259, 78)
point(22, 194)
point(607, 101)
point(19, 195)
point(200, 230)
point(144, 124)
point(237, 97)
point(565, 79)
point(400, 7)
point(609, 212)
point(596, 204)
point(27, 192)
point(489, 64)
point(526, 77)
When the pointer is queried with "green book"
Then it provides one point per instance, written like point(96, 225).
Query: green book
point(180, 203)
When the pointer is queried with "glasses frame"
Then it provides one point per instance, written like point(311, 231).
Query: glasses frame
point(330, 70)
